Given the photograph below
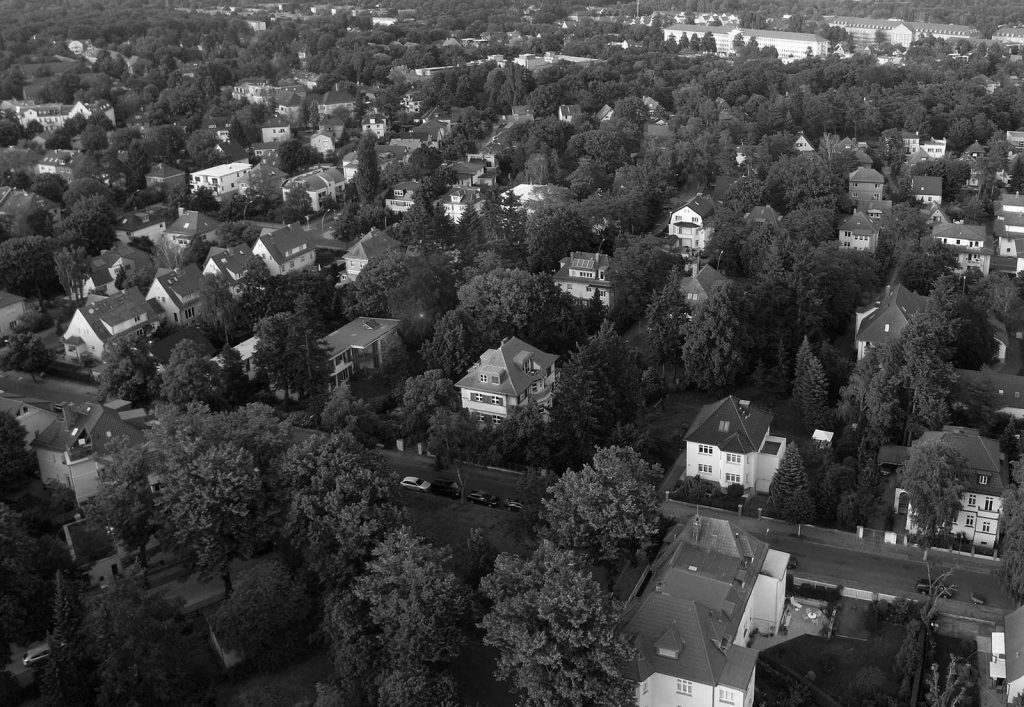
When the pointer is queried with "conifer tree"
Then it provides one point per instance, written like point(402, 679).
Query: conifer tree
point(66, 676)
point(788, 490)
point(810, 389)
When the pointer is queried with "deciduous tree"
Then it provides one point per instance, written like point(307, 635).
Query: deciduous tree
point(129, 372)
point(933, 476)
point(124, 500)
point(27, 353)
point(1011, 568)
point(190, 376)
point(26, 266)
point(16, 461)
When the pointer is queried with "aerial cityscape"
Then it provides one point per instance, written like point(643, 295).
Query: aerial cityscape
point(448, 353)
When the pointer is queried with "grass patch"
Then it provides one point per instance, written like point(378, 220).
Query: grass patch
point(851, 619)
point(448, 522)
point(286, 687)
point(839, 664)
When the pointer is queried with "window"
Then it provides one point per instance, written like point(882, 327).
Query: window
point(483, 377)
point(704, 468)
point(988, 504)
point(726, 697)
point(476, 397)
point(497, 400)
point(684, 687)
point(731, 478)
point(986, 527)
point(982, 479)
point(496, 419)
point(969, 521)
point(704, 449)
point(733, 458)
point(972, 500)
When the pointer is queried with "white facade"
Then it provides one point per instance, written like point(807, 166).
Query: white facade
point(222, 179)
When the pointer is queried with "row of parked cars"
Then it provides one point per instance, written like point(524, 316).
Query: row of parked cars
point(451, 489)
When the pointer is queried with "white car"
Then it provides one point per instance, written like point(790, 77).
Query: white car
point(415, 484)
point(37, 655)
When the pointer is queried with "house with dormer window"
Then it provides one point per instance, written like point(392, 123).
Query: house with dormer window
point(690, 223)
point(858, 232)
point(101, 319)
point(459, 200)
point(694, 610)
point(229, 263)
point(730, 442)
point(513, 374)
point(176, 293)
point(987, 476)
point(972, 245)
point(926, 190)
point(582, 274)
point(401, 197)
point(885, 319)
point(375, 244)
point(866, 184)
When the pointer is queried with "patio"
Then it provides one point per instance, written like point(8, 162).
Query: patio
point(802, 617)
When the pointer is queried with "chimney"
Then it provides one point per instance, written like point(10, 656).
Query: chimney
point(69, 416)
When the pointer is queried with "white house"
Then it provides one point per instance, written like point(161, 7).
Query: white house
point(319, 184)
point(276, 129)
point(1007, 660)
point(401, 197)
point(886, 318)
point(375, 244)
point(972, 244)
point(695, 607)
point(70, 450)
point(858, 232)
point(1009, 225)
point(584, 273)
point(222, 179)
point(730, 442)
point(926, 190)
point(987, 477)
point(689, 223)
point(359, 345)
point(12, 307)
point(101, 319)
point(512, 374)
point(292, 248)
point(176, 293)
point(376, 123)
point(228, 263)
point(458, 200)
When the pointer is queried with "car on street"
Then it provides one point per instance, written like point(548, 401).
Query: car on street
point(513, 504)
point(414, 483)
point(944, 591)
point(482, 498)
point(37, 656)
point(446, 487)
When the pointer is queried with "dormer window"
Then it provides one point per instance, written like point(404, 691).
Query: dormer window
point(484, 378)
point(983, 479)
point(668, 653)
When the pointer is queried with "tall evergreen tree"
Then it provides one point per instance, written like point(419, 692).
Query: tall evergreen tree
point(66, 677)
point(368, 173)
point(714, 348)
point(788, 490)
point(810, 389)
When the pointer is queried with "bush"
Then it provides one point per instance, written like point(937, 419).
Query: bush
point(811, 591)
point(734, 490)
point(33, 321)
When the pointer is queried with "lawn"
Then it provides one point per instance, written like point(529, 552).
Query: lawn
point(851, 619)
point(837, 663)
point(284, 688)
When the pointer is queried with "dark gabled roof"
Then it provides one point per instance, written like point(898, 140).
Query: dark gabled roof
point(866, 174)
point(96, 421)
point(162, 348)
point(982, 455)
point(858, 223)
point(762, 213)
point(373, 245)
point(706, 280)
point(509, 358)
point(164, 171)
point(925, 186)
point(702, 204)
point(192, 224)
point(895, 308)
point(730, 426)
point(7, 299)
point(181, 284)
point(229, 261)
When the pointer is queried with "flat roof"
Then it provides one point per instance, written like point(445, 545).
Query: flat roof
point(223, 170)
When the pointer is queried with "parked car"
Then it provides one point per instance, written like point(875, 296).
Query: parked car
point(37, 656)
point(414, 483)
point(977, 599)
point(513, 504)
point(446, 487)
point(945, 591)
point(482, 498)
point(792, 563)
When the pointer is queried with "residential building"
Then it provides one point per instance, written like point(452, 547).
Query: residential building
point(690, 223)
point(189, 226)
point(522, 114)
point(334, 101)
point(697, 288)
point(12, 308)
point(802, 144)
point(911, 141)
point(763, 216)
point(321, 185)
point(57, 162)
point(376, 123)
point(290, 106)
point(723, 35)
point(866, 184)
point(467, 173)
point(926, 190)
point(102, 319)
point(33, 415)
point(972, 244)
point(730, 442)
point(292, 248)
point(789, 45)
point(1005, 389)
point(858, 232)
point(375, 244)
point(70, 450)
point(513, 374)
point(458, 200)
point(569, 113)
point(175, 293)
point(145, 223)
point(866, 31)
point(105, 268)
point(987, 476)
point(1010, 36)
point(582, 274)
point(229, 263)
point(401, 197)
point(1015, 138)
point(25, 210)
point(275, 129)
point(165, 176)
point(886, 318)
point(1005, 649)
point(934, 148)
point(934, 213)
point(1009, 224)
point(359, 345)
point(264, 179)
point(694, 610)
point(221, 180)
point(322, 142)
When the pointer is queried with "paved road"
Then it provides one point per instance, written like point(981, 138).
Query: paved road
point(503, 484)
point(55, 390)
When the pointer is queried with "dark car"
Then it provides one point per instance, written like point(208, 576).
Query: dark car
point(792, 563)
point(944, 591)
point(482, 498)
point(513, 504)
point(446, 487)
